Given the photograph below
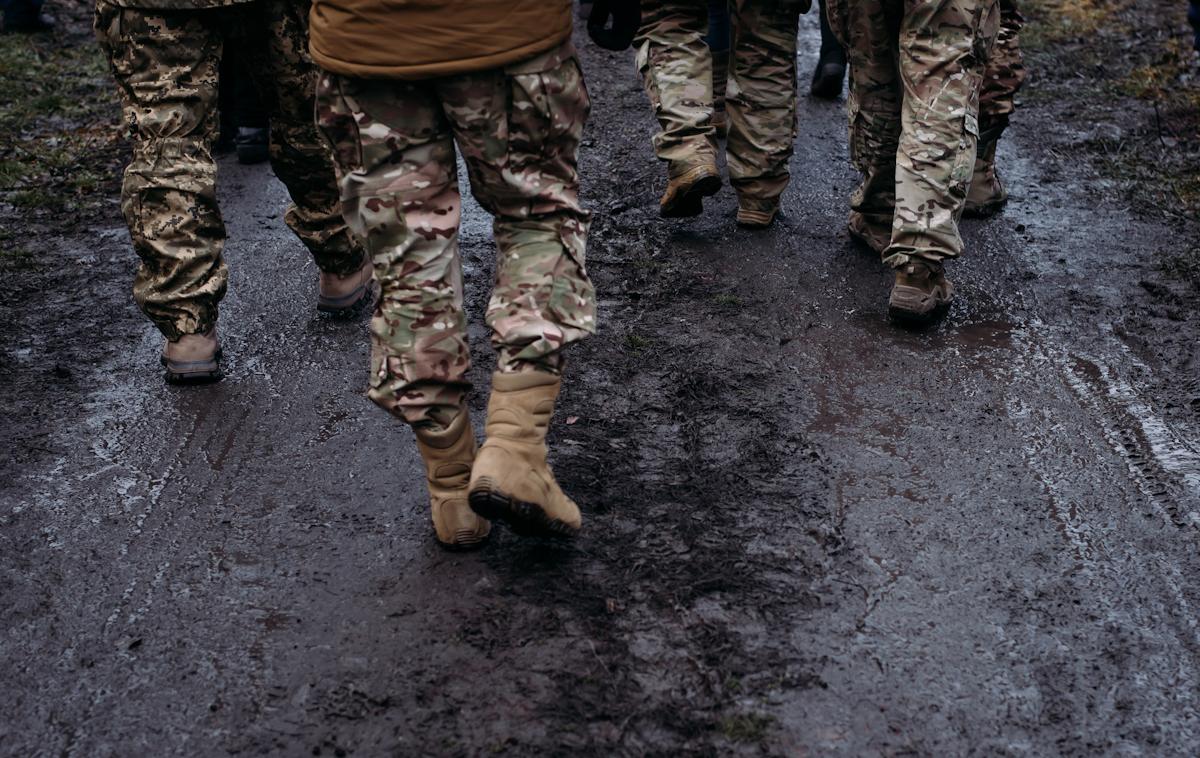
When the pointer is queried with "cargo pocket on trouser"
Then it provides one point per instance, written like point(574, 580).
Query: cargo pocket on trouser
point(856, 128)
point(548, 110)
point(964, 160)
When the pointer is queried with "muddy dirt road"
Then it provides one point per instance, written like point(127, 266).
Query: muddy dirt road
point(806, 532)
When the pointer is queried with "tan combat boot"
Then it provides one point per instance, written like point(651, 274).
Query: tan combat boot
point(921, 293)
point(987, 194)
point(342, 295)
point(193, 358)
point(753, 215)
point(448, 455)
point(870, 232)
point(511, 480)
point(686, 192)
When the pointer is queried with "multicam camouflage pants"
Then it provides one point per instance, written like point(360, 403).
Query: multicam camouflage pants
point(676, 66)
point(1004, 75)
point(165, 63)
point(916, 70)
point(394, 142)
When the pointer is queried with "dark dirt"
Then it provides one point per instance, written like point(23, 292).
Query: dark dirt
point(806, 532)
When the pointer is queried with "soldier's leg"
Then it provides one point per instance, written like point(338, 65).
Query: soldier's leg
point(943, 48)
point(399, 193)
point(1002, 79)
point(761, 101)
point(829, 75)
point(676, 68)
point(543, 299)
point(165, 64)
point(276, 40)
point(869, 30)
point(1005, 70)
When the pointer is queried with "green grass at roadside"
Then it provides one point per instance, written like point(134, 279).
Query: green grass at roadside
point(59, 127)
point(1127, 70)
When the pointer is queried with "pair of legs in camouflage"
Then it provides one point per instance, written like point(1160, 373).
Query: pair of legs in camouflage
point(916, 71)
point(677, 68)
point(166, 64)
point(518, 129)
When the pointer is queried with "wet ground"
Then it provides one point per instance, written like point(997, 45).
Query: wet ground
point(806, 531)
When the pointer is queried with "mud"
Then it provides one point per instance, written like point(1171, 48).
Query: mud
point(806, 532)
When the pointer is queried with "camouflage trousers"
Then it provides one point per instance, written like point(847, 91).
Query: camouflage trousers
point(677, 69)
point(916, 71)
point(1004, 75)
point(518, 129)
point(165, 63)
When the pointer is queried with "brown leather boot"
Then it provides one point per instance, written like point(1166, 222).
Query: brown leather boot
point(870, 232)
point(755, 216)
point(686, 192)
point(987, 194)
point(345, 295)
point(448, 455)
point(921, 293)
point(511, 480)
point(193, 359)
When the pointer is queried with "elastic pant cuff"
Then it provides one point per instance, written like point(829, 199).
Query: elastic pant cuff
point(900, 259)
point(522, 380)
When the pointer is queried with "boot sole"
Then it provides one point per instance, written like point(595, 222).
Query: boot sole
point(201, 372)
point(464, 542)
point(690, 202)
point(905, 317)
point(753, 219)
point(910, 317)
point(985, 210)
point(525, 519)
point(360, 300)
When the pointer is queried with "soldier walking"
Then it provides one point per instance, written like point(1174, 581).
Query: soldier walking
point(498, 81)
point(760, 101)
point(165, 56)
point(916, 71)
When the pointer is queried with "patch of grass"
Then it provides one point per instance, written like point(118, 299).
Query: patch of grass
point(1124, 70)
point(35, 199)
point(1069, 19)
point(635, 343)
point(1161, 77)
point(11, 172)
point(1184, 266)
point(13, 255)
point(746, 727)
point(727, 300)
point(648, 265)
point(59, 127)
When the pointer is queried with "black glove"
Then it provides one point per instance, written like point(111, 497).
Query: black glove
point(626, 17)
